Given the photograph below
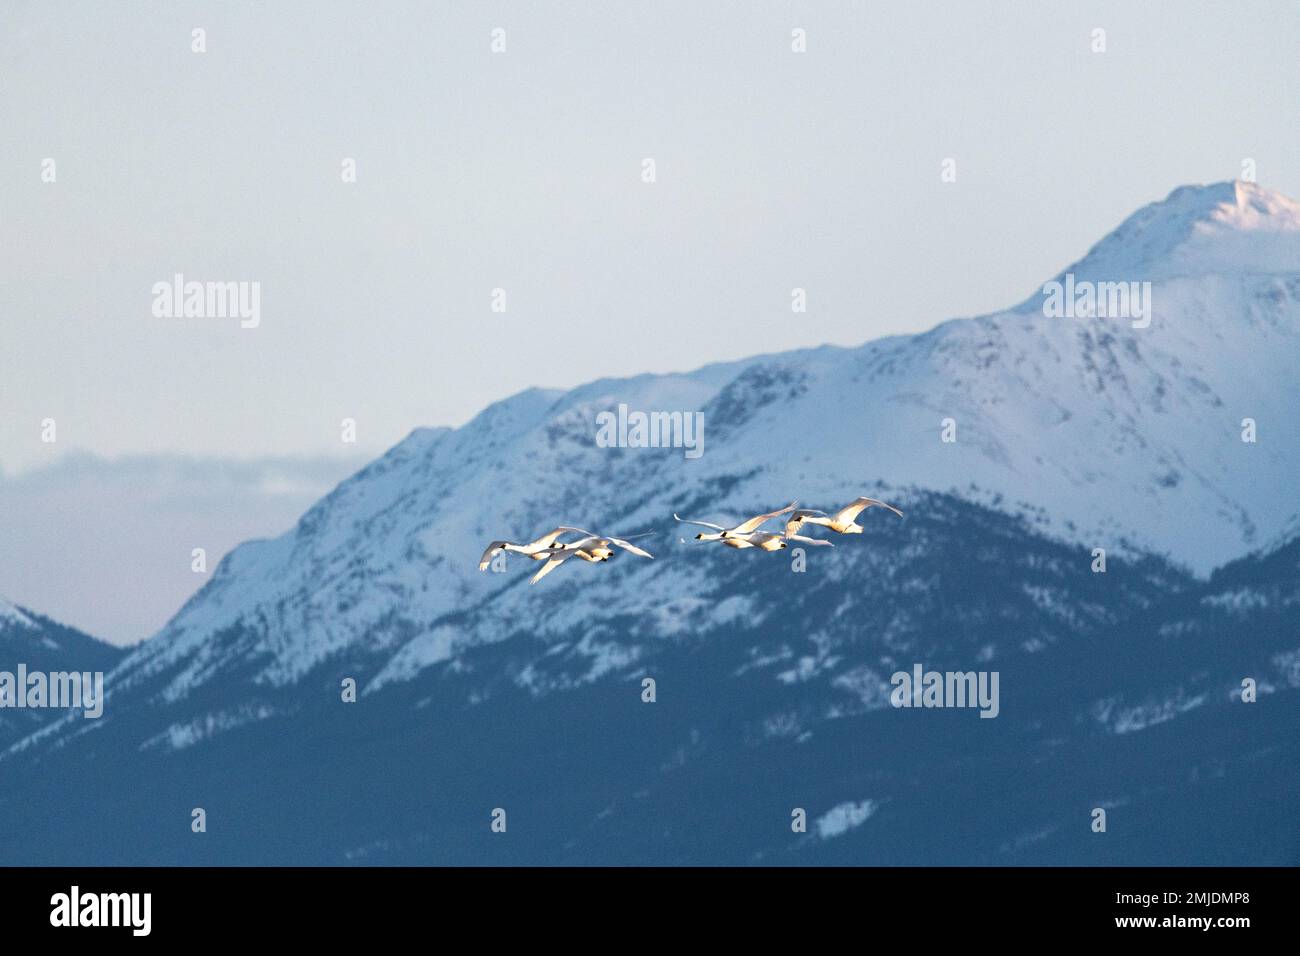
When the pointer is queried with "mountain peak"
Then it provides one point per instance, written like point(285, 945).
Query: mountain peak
point(1235, 204)
point(11, 614)
point(1231, 226)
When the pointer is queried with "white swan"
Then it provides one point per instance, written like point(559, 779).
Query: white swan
point(763, 540)
point(537, 550)
point(841, 521)
point(739, 536)
point(774, 541)
point(592, 548)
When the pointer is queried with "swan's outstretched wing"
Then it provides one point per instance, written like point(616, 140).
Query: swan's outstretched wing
point(628, 546)
point(858, 505)
point(796, 520)
point(753, 523)
point(553, 562)
point(702, 524)
point(546, 540)
point(490, 553)
point(817, 542)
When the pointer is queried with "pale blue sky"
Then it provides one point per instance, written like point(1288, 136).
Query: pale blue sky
point(522, 171)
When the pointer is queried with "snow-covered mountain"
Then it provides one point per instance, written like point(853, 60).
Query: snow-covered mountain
point(1071, 434)
point(11, 615)
point(1107, 435)
point(34, 639)
point(43, 645)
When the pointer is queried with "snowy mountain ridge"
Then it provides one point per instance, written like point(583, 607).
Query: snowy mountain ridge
point(11, 614)
point(1231, 227)
point(1099, 433)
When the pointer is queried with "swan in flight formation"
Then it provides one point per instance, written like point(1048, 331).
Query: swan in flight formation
point(775, 541)
point(743, 534)
point(841, 521)
point(537, 550)
point(747, 535)
point(548, 548)
point(592, 548)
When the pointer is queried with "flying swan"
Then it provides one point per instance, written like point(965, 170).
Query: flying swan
point(537, 550)
point(841, 521)
point(592, 548)
point(742, 535)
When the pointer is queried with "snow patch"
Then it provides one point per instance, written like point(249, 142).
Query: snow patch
point(179, 736)
point(844, 817)
point(1126, 720)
